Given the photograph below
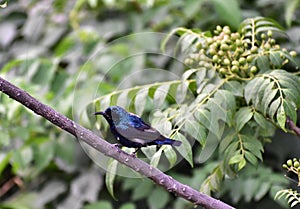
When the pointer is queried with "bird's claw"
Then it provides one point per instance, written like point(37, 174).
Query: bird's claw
point(135, 151)
point(118, 146)
point(133, 154)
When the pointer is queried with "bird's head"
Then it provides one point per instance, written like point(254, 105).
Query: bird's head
point(113, 114)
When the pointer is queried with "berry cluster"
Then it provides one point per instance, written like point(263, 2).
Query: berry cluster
point(233, 54)
point(292, 165)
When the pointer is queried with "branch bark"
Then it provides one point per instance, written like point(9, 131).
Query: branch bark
point(108, 149)
point(292, 126)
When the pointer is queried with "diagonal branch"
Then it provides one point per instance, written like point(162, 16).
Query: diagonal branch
point(291, 125)
point(108, 149)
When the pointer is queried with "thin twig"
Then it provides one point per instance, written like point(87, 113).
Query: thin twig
point(108, 149)
point(291, 125)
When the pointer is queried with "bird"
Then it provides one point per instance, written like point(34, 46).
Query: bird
point(131, 131)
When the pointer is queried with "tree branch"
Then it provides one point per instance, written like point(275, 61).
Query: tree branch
point(108, 149)
point(291, 125)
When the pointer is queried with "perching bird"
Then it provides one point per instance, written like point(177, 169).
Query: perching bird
point(131, 131)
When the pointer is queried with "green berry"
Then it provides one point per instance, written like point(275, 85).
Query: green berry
point(254, 49)
point(207, 65)
point(267, 46)
point(224, 47)
point(226, 30)
point(235, 69)
point(221, 53)
point(289, 162)
point(270, 33)
point(215, 58)
point(226, 61)
point(219, 28)
point(272, 41)
point(253, 69)
point(293, 53)
point(235, 63)
point(223, 71)
point(249, 58)
point(202, 63)
point(209, 41)
point(235, 36)
point(296, 164)
point(212, 51)
point(242, 60)
point(238, 42)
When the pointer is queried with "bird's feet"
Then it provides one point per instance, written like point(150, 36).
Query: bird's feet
point(135, 151)
point(119, 147)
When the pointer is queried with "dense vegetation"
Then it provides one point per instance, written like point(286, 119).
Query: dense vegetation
point(222, 90)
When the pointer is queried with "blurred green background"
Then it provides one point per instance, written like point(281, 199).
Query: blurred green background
point(66, 53)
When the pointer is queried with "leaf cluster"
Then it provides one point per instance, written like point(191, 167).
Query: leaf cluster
point(235, 111)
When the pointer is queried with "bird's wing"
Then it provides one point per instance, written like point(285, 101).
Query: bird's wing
point(138, 131)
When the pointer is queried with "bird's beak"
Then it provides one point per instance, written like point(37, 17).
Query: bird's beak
point(99, 113)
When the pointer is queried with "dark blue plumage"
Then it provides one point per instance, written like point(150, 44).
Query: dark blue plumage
point(131, 131)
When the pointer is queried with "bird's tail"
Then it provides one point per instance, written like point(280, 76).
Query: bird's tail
point(176, 143)
point(168, 141)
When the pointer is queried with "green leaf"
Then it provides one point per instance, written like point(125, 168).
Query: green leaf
point(242, 116)
point(128, 206)
point(290, 110)
point(158, 198)
point(5, 139)
point(185, 148)
point(140, 100)
point(142, 190)
point(281, 117)
point(262, 62)
point(222, 106)
point(195, 130)
point(182, 91)
point(269, 95)
point(204, 117)
point(170, 155)
point(110, 176)
point(251, 158)
point(4, 160)
point(251, 88)
point(290, 8)
point(123, 98)
point(265, 85)
point(155, 158)
point(21, 160)
point(100, 204)
point(229, 11)
point(160, 95)
point(241, 164)
point(149, 151)
point(273, 107)
point(263, 190)
point(261, 120)
point(275, 59)
point(287, 79)
point(43, 154)
point(228, 139)
point(253, 145)
point(187, 74)
point(236, 159)
point(235, 87)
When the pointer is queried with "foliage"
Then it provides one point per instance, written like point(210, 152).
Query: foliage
point(76, 45)
point(239, 88)
point(293, 197)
